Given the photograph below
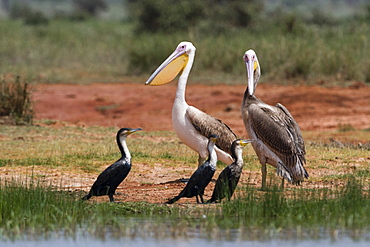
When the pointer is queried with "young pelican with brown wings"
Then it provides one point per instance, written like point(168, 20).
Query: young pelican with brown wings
point(277, 138)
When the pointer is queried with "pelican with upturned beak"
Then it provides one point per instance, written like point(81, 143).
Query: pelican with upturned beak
point(192, 126)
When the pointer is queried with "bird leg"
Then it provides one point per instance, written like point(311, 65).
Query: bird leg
point(201, 198)
point(197, 199)
point(282, 184)
point(111, 198)
point(264, 174)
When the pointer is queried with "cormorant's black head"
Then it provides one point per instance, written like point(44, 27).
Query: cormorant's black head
point(124, 132)
point(213, 138)
point(239, 143)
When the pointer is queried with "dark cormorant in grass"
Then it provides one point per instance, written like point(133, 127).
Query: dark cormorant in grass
point(229, 177)
point(108, 181)
point(201, 177)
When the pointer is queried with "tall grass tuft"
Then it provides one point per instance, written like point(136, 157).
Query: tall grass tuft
point(15, 101)
point(331, 208)
point(29, 209)
point(35, 209)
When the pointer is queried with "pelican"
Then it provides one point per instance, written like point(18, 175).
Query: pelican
point(192, 126)
point(201, 177)
point(229, 177)
point(108, 181)
point(277, 138)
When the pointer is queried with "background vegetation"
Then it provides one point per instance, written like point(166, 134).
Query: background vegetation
point(116, 40)
point(15, 101)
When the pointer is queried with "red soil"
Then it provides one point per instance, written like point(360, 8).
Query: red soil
point(315, 108)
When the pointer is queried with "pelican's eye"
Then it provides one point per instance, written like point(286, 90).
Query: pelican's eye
point(181, 48)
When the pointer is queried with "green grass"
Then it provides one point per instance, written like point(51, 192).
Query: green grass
point(336, 199)
point(34, 210)
point(346, 207)
point(109, 51)
point(81, 149)
point(38, 210)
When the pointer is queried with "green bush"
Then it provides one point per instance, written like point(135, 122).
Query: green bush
point(90, 7)
point(18, 11)
point(183, 15)
point(29, 16)
point(15, 102)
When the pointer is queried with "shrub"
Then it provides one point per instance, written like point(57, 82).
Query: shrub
point(165, 15)
point(319, 17)
point(90, 7)
point(36, 18)
point(183, 15)
point(19, 11)
point(25, 13)
point(15, 102)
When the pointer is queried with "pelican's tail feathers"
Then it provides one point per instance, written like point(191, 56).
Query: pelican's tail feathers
point(299, 173)
point(282, 171)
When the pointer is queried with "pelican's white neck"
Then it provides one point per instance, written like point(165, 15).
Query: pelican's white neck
point(183, 79)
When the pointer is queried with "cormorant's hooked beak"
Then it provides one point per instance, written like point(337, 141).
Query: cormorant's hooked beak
point(213, 138)
point(169, 69)
point(251, 64)
point(133, 131)
point(244, 143)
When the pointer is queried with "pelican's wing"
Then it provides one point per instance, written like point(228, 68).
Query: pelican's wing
point(276, 130)
point(293, 124)
point(208, 125)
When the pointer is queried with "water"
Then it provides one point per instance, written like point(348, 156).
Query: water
point(163, 232)
point(150, 242)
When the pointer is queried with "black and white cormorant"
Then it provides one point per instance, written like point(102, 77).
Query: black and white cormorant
point(201, 177)
point(108, 181)
point(277, 138)
point(229, 177)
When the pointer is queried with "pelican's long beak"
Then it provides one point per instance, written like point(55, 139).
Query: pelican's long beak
point(251, 65)
point(133, 131)
point(169, 69)
point(244, 143)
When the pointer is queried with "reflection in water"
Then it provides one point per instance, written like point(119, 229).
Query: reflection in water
point(150, 242)
point(173, 231)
